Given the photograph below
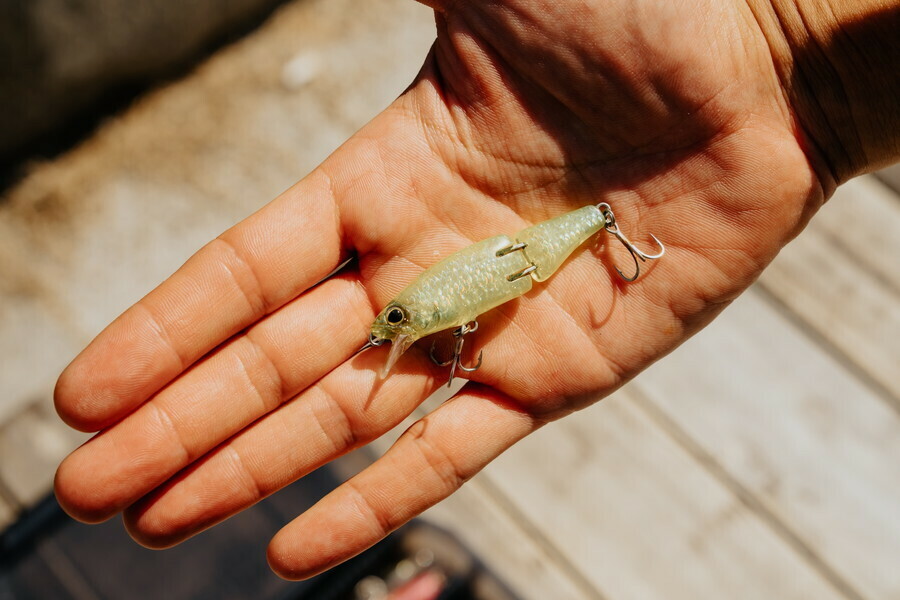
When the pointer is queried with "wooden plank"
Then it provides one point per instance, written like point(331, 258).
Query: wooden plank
point(855, 309)
point(862, 220)
point(35, 577)
point(504, 541)
point(36, 340)
point(783, 420)
point(641, 518)
point(32, 444)
point(505, 544)
point(891, 177)
point(227, 561)
point(7, 512)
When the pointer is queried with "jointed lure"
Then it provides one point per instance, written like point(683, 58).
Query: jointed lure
point(456, 290)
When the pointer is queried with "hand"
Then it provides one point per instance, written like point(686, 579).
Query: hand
point(235, 376)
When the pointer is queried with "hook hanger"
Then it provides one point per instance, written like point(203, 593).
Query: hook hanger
point(455, 361)
point(373, 342)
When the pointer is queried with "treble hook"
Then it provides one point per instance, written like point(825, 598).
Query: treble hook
point(455, 361)
point(613, 228)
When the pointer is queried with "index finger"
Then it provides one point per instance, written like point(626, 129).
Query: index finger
point(244, 274)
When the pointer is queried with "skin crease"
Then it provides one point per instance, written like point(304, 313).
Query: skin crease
point(670, 111)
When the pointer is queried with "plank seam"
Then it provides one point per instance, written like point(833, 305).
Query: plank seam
point(809, 330)
point(890, 178)
point(708, 462)
point(862, 262)
point(530, 530)
point(8, 497)
point(66, 573)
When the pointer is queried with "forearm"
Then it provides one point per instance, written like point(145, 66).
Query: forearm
point(839, 64)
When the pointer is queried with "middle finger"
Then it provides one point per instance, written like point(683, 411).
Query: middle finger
point(346, 409)
point(238, 383)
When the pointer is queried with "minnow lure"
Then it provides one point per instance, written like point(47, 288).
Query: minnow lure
point(459, 288)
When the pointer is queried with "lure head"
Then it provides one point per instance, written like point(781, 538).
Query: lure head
point(397, 324)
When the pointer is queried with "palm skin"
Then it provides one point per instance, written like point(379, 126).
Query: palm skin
point(235, 377)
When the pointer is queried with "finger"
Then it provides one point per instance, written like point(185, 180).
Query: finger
point(251, 375)
point(427, 464)
point(348, 408)
point(247, 272)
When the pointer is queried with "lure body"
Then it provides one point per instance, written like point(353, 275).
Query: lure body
point(480, 277)
point(551, 242)
point(464, 285)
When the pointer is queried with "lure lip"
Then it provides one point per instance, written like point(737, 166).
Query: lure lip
point(399, 345)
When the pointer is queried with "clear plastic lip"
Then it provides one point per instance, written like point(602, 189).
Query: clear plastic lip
point(399, 345)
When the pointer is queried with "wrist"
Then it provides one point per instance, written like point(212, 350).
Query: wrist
point(839, 66)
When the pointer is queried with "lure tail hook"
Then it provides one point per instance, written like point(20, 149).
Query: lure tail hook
point(455, 361)
point(636, 254)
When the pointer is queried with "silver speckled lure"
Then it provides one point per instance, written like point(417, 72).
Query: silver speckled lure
point(456, 290)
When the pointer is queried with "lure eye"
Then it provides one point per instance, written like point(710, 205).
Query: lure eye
point(395, 316)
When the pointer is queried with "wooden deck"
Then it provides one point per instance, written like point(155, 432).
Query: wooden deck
point(761, 460)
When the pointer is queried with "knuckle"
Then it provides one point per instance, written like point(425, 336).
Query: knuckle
point(262, 374)
point(437, 460)
point(254, 487)
point(383, 521)
point(167, 424)
point(338, 427)
point(244, 274)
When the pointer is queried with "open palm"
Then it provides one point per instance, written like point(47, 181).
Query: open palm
point(236, 376)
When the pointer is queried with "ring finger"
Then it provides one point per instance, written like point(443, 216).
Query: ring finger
point(244, 379)
point(348, 408)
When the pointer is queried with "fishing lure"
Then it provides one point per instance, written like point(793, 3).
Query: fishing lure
point(459, 288)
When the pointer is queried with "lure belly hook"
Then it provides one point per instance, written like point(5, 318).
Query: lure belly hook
point(472, 281)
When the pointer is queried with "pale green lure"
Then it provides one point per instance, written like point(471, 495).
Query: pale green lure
point(455, 291)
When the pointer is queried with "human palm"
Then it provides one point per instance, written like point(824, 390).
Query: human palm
point(236, 376)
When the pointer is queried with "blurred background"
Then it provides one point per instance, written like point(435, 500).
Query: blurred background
point(760, 460)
